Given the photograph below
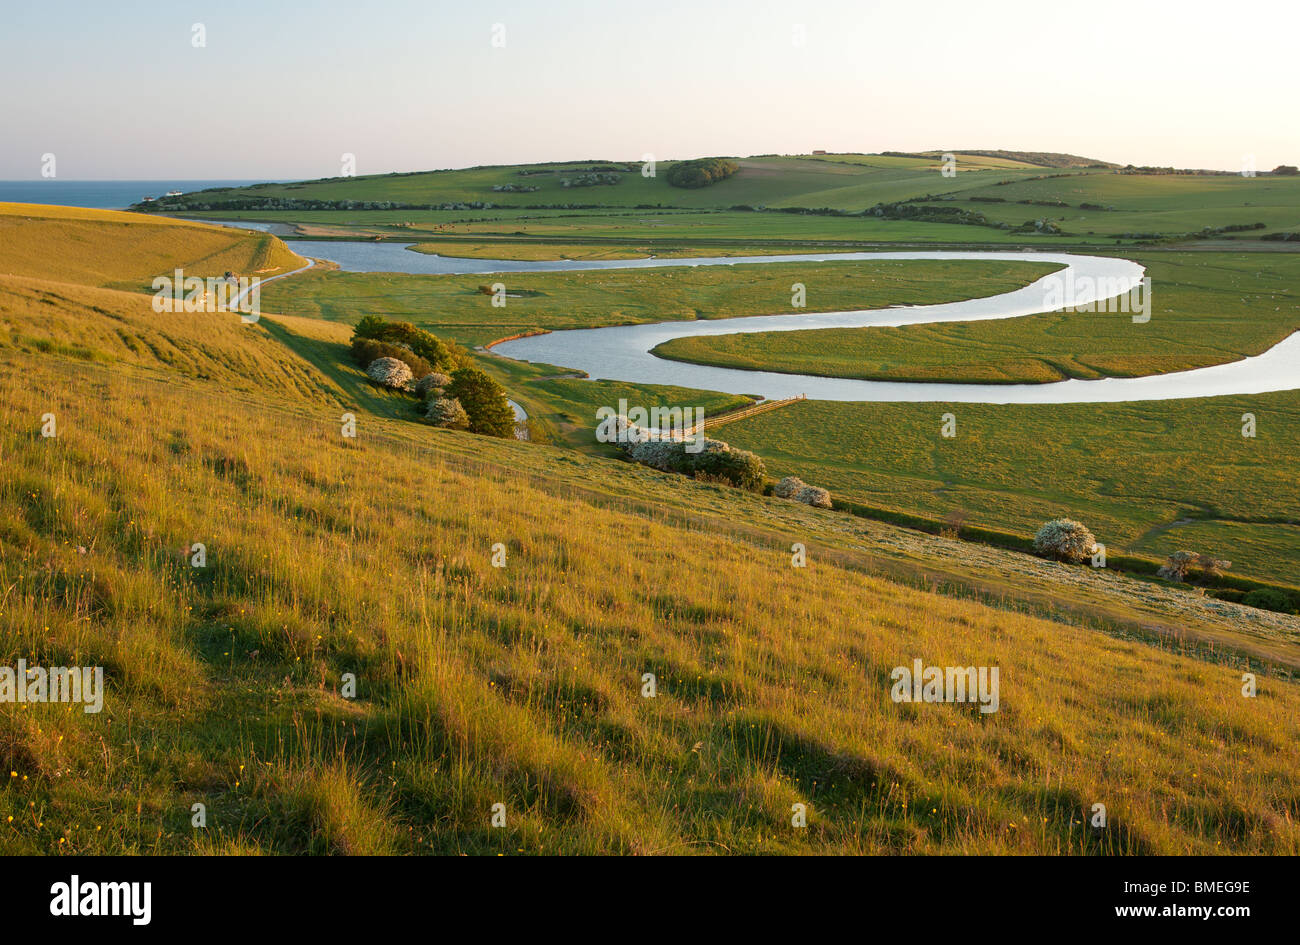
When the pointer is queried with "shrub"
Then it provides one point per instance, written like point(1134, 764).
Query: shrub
point(428, 383)
point(366, 351)
point(665, 455)
point(815, 496)
point(1064, 540)
point(1266, 598)
point(389, 372)
point(1179, 565)
point(448, 413)
point(794, 488)
point(438, 353)
point(1211, 567)
point(1176, 566)
point(787, 487)
point(484, 401)
point(716, 461)
point(701, 172)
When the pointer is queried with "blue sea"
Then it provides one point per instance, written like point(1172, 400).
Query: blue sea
point(101, 194)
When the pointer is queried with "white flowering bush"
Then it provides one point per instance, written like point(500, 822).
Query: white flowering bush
point(709, 460)
point(429, 383)
point(389, 372)
point(1065, 540)
point(795, 489)
point(448, 413)
point(788, 487)
point(1180, 564)
point(813, 495)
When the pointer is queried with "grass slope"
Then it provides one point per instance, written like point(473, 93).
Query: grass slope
point(521, 685)
point(111, 249)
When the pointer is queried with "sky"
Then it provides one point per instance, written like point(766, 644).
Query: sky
point(281, 90)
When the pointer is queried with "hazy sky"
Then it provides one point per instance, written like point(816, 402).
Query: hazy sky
point(283, 90)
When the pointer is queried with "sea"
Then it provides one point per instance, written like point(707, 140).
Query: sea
point(102, 194)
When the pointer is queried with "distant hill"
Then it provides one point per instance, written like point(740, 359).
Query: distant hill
point(849, 182)
point(1036, 158)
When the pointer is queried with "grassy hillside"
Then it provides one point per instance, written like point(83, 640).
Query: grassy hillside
point(999, 196)
point(1207, 308)
point(126, 250)
point(770, 181)
point(1119, 204)
point(521, 685)
point(101, 326)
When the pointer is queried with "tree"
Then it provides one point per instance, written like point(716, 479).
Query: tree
point(1180, 564)
point(366, 351)
point(447, 412)
point(484, 401)
point(1065, 540)
point(370, 326)
point(701, 172)
point(439, 354)
point(389, 372)
point(1177, 565)
point(741, 468)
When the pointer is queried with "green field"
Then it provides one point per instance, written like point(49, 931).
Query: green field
point(1207, 308)
point(654, 230)
point(1148, 203)
point(1128, 471)
point(455, 306)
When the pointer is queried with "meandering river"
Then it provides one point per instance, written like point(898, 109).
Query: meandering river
point(623, 352)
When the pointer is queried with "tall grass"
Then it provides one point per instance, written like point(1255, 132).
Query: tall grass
point(521, 685)
point(127, 250)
